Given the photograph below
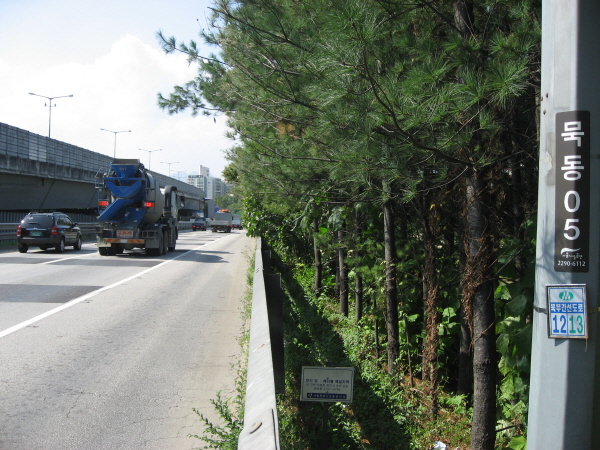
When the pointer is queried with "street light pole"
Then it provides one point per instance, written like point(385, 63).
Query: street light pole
point(564, 394)
point(149, 155)
point(115, 132)
point(50, 106)
point(169, 163)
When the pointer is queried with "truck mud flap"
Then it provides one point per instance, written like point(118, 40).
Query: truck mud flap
point(123, 241)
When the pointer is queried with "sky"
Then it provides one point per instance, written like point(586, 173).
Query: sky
point(105, 53)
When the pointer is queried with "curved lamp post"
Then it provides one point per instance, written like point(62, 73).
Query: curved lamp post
point(149, 155)
point(169, 163)
point(50, 106)
point(110, 131)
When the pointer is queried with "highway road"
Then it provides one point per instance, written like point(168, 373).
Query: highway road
point(113, 352)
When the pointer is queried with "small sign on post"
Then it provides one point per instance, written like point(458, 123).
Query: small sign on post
point(327, 384)
point(567, 311)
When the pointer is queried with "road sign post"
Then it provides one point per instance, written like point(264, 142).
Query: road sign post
point(327, 385)
point(564, 410)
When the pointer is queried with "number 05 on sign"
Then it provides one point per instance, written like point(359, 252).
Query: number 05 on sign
point(567, 311)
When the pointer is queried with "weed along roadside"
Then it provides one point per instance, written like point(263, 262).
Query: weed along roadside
point(225, 434)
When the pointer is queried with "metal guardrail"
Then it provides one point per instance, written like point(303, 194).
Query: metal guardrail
point(8, 231)
point(265, 377)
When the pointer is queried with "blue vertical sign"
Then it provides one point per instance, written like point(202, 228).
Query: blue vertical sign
point(567, 312)
point(572, 200)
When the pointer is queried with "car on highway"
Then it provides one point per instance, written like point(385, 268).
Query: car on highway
point(48, 230)
point(199, 224)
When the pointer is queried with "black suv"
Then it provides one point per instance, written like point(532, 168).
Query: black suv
point(45, 230)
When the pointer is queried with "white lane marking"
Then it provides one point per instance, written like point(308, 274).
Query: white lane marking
point(86, 254)
point(64, 259)
point(96, 292)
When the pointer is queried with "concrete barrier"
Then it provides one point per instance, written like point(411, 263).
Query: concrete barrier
point(265, 359)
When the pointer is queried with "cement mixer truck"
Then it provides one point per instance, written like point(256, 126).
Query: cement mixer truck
point(134, 212)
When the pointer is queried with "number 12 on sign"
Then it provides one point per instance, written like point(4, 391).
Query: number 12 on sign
point(575, 325)
point(567, 311)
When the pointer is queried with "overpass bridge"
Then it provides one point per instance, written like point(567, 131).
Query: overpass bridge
point(40, 173)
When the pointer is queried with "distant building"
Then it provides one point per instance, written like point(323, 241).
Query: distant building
point(200, 180)
point(214, 187)
point(197, 181)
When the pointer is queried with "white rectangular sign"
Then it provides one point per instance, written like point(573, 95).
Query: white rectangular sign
point(327, 384)
point(567, 311)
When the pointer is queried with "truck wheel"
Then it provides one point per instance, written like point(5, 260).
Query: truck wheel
point(103, 251)
point(117, 249)
point(161, 245)
point(172, 247)
point(22, 248)
point(60, 248)
point(165, 240)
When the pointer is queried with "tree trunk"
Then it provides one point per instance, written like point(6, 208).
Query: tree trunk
point(517, 205)
point(358, 281)
point(481, 288)
point(465, 357)
point(358, 296)
point(391, 289)
point(431, 291)
point(432, 316)
point(478, 284)
point(463, 17)
point(343, 278)
point(318, 285)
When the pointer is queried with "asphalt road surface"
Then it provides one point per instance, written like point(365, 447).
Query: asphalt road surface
point(113, 352)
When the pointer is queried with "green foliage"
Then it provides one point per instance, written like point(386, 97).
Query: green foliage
point(224, 437)
point(385, 413)
point(277, 226)
point(514, 333)
point(341, 106)
point(230, 174)
point(518, 443)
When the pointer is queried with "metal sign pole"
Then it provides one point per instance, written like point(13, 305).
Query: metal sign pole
point(564, 399)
